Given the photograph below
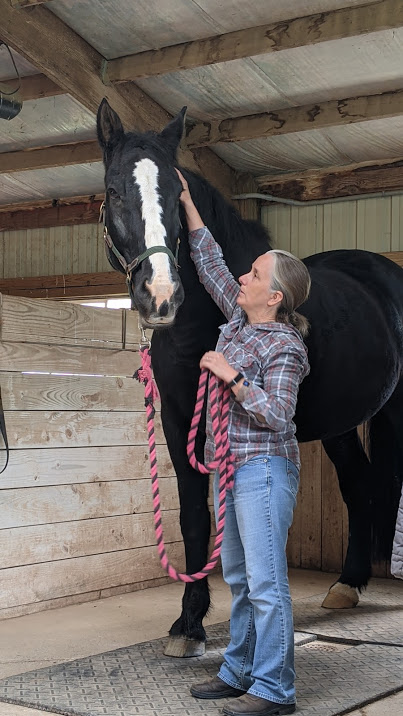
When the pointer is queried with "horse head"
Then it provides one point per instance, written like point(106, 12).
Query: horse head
point(141, 213)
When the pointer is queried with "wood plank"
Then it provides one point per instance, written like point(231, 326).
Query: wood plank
point(36, 583)
point(72, 286)
point(310, 505)
point(31, 204)
point(57, 466)
point(43, 321)
point(41, 218)
point(27, 3)
point(396, 256)
point(69, 600)
point(335, 113)
point(75, 360)
point(82, 501)
point(57, 155)
point(51, 429)
point(69, 392)
point(67, 59)
point(36, 87)
point(333, 182)
point(332, 518)
point(284, 35)
point(66, 540)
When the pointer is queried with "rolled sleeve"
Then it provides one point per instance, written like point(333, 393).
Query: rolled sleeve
point(274, 405)
point(212, 270)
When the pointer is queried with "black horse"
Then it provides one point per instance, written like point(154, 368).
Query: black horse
point(355, 350)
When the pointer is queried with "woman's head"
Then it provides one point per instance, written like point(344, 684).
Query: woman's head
point(290, 277)
point(276, 285)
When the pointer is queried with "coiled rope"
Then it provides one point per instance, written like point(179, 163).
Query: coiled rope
point(223, 461)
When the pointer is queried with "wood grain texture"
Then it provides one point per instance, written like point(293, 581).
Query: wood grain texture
point(60, 466)
point(52, 580)
point(285, 35)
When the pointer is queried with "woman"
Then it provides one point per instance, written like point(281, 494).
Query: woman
point(261, 355)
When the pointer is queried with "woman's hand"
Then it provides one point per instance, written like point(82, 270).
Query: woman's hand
point(193, 218)
point(185, 198)
point(217, 364)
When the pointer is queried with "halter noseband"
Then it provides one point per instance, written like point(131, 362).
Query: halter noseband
point(133, 265)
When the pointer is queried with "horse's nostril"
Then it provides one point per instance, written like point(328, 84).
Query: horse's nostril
point(163, 310)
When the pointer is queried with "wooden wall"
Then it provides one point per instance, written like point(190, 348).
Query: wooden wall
point(49, 251)
point(75, 501)
point(371, 224)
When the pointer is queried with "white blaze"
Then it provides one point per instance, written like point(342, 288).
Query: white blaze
point(161, 285)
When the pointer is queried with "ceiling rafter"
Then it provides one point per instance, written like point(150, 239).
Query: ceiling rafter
point(56, 155)
point(332, 182)
point(67, 59)
point(284, 35)
point(334, 113)
point(35, 87)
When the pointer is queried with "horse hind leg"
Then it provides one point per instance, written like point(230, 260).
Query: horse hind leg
point(354, 474)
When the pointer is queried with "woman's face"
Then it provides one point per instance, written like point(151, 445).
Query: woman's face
point(255, 294)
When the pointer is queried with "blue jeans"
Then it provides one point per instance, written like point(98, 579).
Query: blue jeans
point(260, 655)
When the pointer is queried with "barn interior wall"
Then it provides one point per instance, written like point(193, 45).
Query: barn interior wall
point(52, 251)
point(370, 224)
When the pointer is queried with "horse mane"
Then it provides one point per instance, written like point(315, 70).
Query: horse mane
point(241, 240)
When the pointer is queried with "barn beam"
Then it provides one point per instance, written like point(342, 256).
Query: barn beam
point(27, 3)
point(335, 113)
point(284, 35)
point(49, 203)
point(67, 59)
point(72, 286)
point(333, 182)
point(56, 155)
point(35, 87)
point(43, 217)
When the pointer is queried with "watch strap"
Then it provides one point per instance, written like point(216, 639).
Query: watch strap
point(236, 380)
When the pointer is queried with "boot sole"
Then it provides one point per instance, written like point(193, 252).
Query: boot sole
point(217, 695)
point(280, 711)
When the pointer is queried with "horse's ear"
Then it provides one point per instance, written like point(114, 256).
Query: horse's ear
point(173, 132)
point(109, 128)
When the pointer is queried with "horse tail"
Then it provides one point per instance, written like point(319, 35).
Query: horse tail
point(386, 456)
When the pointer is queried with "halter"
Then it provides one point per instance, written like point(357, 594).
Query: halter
point(133, 265)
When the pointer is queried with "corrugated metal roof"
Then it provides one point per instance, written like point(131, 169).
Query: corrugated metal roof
point(51, 120)
point(76, 180)
point(6, 66)
point(121, 27)
point(316, 73)
point(378, 139)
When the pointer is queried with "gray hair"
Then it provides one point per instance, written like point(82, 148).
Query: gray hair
point(291, 277)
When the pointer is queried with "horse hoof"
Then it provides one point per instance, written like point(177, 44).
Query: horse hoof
point(183, 648)
point(340, 596)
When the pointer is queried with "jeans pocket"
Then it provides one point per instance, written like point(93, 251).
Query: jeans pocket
point(293, 477)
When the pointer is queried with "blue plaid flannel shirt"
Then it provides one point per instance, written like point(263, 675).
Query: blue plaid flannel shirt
point(272, 356)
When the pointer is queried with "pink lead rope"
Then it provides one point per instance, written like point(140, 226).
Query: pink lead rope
point(223, 461)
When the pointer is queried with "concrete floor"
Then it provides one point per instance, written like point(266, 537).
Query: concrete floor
point(59, 635)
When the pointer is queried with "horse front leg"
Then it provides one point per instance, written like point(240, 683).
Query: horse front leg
point(187, 634)
point(354, 474)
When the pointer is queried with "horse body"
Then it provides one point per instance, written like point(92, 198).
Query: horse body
point(355, 351)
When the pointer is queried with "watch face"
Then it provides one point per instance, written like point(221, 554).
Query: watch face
point(246, 383)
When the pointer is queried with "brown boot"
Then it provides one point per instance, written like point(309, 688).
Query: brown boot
point(249, 705)
point(215, 688)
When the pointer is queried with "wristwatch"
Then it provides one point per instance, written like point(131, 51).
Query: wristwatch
point(236, 380)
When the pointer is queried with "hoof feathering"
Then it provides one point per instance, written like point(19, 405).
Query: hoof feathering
point(340, 596)
point(182, 648)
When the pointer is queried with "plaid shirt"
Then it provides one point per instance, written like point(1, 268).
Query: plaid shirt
point(272, 356)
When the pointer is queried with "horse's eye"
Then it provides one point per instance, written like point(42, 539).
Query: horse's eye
point(113, 193)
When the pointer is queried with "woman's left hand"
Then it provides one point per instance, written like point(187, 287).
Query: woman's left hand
point(217, 364)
